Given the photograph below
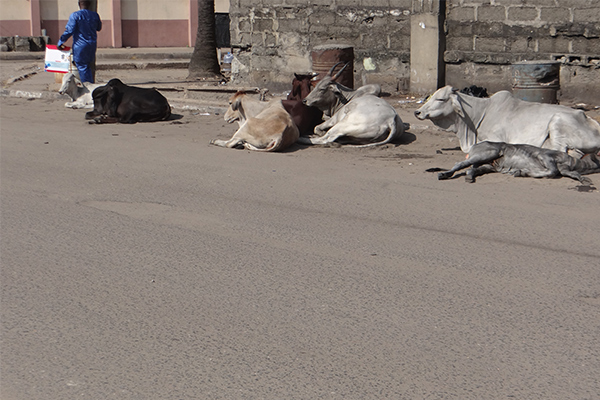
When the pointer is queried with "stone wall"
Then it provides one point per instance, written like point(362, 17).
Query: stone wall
point(272, 39)
point(485, 37)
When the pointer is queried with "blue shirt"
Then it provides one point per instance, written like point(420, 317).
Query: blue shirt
point(82, 25)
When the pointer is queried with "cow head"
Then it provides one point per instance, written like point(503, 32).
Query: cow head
point(446, 109)
point(70, 85)
point(442, 104)
point(324, 95)
point(301, 86)
point(235, 112)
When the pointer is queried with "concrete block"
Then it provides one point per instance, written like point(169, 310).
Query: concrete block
point(459, 29)
point(243, 25)
point(324, 18)
point(257, 39)
point(586, 46)
point(491, 13)
point(591, 14)
point(523, 14)
point(459, 43)
point(554, 45)
point(293, 25)
point(555, 14)
point(263, 25)
point(521, 45)
point(462, 14)
point(490, 45)
point(489, 29)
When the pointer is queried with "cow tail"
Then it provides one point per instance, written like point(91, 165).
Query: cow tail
point(397, 127)
point(274, 145)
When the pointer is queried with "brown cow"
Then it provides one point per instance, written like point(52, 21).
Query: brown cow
point(271, 129)
point(305, 117)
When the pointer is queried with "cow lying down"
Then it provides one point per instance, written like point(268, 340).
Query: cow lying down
point(357, 117)
point(523, 160)
point(118, 102)
point(80, 93)
point(263, 126)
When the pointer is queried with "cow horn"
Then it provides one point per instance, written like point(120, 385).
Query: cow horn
point(340, 71)
point(330, 73)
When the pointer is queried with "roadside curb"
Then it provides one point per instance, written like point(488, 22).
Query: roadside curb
point(176, 103)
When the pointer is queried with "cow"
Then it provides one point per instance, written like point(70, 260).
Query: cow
point(306, 118)
point(504, 118)
point(80, 93)
point(523, 160)
point(262, 127)
point(357, 117)
point(301, 86)
point(118, 102)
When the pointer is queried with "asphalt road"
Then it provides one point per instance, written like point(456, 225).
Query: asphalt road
point(138, 262)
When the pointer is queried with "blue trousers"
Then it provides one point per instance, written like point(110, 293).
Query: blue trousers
point(86, 72)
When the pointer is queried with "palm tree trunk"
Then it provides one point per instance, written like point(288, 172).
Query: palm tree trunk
point(204, 62)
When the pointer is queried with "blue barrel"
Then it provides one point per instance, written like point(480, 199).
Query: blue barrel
point(537, 81)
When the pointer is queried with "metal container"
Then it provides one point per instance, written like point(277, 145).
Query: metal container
point(537, 81)
point(326, 56)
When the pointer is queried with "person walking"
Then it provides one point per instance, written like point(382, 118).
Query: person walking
point(83, 25)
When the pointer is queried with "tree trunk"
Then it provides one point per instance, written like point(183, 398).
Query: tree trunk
point(204, 62)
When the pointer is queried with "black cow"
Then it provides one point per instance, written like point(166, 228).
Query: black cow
point(524, 160)
point(118, 102)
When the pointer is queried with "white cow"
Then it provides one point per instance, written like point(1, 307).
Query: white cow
point(263, 126)
point(504, 118)
point(80, 93)
point(356, 116)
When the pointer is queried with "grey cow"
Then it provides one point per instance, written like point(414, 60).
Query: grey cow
point(523, 160)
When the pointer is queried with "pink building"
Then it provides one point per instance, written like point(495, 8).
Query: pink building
point(126, 23)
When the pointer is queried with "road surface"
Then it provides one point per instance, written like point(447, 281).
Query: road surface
point(139, 262)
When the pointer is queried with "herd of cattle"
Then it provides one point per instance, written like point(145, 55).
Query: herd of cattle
point(500, 133)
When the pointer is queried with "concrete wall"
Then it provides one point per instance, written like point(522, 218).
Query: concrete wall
point(273, 38)
point(478, 42)
point(485, 37)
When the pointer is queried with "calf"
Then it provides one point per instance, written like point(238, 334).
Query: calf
point(118, 102)
point(80, 93)
point(306, 118)
point(263, 127)
point(523, 160)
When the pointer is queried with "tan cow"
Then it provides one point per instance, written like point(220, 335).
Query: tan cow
point(263, 126)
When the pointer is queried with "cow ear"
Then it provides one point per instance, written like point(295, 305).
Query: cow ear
point(456, 105)
point(334, 88)
point(235, 104)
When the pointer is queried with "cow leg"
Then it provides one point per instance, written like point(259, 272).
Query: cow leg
point(480, 154)
point(457, 167)
point(233, 143)
point(564, 170)
point(321, 129)
point(474, 172)
point(103, 119)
